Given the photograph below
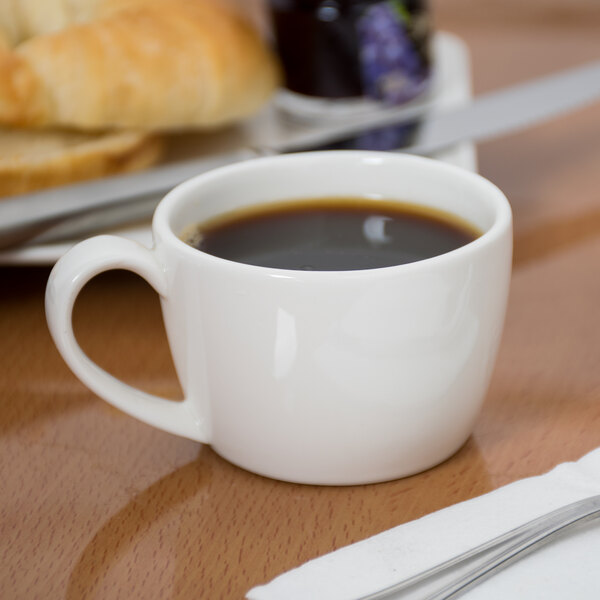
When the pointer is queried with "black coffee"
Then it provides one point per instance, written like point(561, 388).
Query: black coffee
point(331, 234)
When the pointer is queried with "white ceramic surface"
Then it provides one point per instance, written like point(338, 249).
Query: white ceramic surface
point(315, 377)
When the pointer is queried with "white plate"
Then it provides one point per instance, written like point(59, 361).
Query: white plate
point(451, 87)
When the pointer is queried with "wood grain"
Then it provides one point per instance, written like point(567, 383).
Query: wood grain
point(94, 504)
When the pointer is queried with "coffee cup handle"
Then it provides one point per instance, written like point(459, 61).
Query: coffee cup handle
point(73, 270)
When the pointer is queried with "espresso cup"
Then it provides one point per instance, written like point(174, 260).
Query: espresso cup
point(321, 377)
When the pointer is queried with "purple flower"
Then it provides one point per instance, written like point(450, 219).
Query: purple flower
point(391, 68)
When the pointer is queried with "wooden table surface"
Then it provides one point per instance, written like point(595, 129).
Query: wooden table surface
point(94, 504)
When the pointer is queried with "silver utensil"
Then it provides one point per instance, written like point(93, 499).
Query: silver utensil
point(25, 217)
point(455, 576)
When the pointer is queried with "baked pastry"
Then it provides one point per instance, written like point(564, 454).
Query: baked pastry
point(23, 19)
point(138, 64)
point(31, 160)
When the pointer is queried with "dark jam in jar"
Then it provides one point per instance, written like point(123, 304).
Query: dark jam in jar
point(353, 48)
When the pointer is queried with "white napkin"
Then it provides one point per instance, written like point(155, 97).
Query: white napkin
point(566, 568)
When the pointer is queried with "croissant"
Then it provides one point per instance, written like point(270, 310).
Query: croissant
point(33, 160)
point(22, 19)
point(153, 64)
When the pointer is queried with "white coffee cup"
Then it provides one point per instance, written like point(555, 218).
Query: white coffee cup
point(320, 377)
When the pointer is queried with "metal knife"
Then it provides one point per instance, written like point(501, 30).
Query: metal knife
point(487, 116)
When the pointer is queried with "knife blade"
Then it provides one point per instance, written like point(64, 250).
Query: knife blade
point(487, 116)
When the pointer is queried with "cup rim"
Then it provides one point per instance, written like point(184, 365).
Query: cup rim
point(163, 231)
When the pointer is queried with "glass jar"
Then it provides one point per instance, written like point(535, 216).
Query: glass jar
point(356, 53)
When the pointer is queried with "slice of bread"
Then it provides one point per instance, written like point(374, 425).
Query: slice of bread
point(34, 160)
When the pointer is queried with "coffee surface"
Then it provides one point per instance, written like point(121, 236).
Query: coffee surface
point(331, 234)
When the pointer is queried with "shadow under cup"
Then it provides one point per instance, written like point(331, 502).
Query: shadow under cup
point(340, 377)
